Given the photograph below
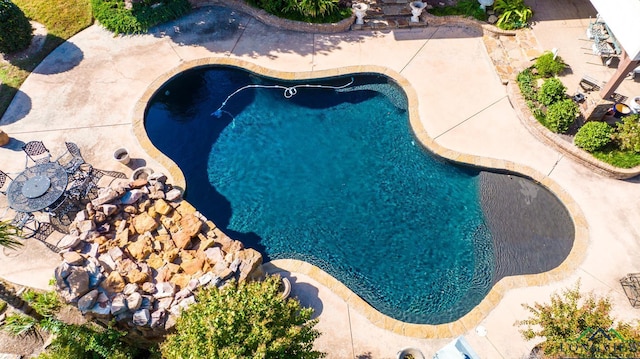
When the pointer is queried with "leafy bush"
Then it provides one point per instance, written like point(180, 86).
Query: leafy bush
point(527, 84)
point(245, 320)
point(616, 157)
point(313, 8)
point(593, 136)
point(548, 66)
point(512, 14)
point(113, 15)
point(560, 115)
point(464, 7)
point(15, 30)
point(627, 134)
point(46, 303)
point(314, 11)
point(568, 325)
point(86, 341)
point(551, 91)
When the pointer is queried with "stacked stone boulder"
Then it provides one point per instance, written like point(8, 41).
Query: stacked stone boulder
point(139, 252)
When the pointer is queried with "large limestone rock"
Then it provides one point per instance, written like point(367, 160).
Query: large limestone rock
point(78, 283)
point(144, 223)
point(114, 283)
point(190, 224)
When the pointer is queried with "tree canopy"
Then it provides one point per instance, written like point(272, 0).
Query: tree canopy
point(243, 320)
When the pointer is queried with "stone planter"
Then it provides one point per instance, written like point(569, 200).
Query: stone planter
point(285, 288)
point(410, 353)
point(141, 173)
point(4, 138)
point(122, 155)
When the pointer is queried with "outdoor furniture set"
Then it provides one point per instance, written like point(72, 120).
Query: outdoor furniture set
point(57, 189)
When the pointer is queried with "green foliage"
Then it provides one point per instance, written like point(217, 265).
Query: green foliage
point(568, 322)
point(313, 8)
point(8, 234)
point(627, 134)
point(113, 15)
point(616, 157)
point(20, 324)
point(15, 30)
point(245, 320)
point(593, 136)
point(46, 304)
point(551, 91)
point(314, 11)
point(3, 306)
point(512, 14)
point(527, 84)
point(560, 115)
point(464, 7)
point(548, 66)
point(85, 342)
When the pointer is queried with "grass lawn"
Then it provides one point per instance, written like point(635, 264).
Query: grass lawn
point(617, 157)
point(63, 19)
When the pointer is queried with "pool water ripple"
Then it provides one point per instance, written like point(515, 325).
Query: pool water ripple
point(337, 179)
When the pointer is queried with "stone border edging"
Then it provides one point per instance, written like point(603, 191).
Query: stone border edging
point(272, 20)
point(491, 300)
point(569, 149)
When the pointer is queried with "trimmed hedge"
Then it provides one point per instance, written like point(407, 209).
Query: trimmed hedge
point(113, 15)
point(593, 136)
point(15, 30)
point(561, 114)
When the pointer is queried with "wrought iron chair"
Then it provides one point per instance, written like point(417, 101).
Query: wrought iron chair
point(36, 152)
point(82, 184)
point(26, 223)
point(62, 212)
point(72, 159)
point(3, 181)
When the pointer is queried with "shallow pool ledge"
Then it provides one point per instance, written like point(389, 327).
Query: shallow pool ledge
point(448, 330)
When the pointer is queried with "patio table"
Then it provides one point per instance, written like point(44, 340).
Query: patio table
point(37, 187)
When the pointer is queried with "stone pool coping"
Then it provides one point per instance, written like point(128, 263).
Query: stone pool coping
point(448, 330)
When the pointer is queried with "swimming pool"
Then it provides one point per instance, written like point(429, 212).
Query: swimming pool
point(334, 176)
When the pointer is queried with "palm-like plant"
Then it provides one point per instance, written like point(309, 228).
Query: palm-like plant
point(513, 14)
point(8, 235)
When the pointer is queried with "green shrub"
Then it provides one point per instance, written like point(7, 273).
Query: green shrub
point(548, 66)
point(463, 7)
point(560, 115)
point(527, 84)
point(569, 327)
point(313, 8)
point(512, 14)
point(15, 30)
point(243, 320)
point(551, 91)
point(86, 341)
point(46, 304)
point(593, 136)
point(627, 133)
point(113, 15)
point(20, 324)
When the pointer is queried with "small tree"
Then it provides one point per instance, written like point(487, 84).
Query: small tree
point(578, 326)
point(15, 30)
point(593, 136)
point(627, 133)
point(245, 320)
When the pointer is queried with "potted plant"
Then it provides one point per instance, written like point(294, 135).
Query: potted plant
point(410, 353)
point(122, 155)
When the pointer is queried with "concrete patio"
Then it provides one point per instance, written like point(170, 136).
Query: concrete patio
point(86, 91)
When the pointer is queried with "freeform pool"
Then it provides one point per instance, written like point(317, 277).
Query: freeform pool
point(335, 177)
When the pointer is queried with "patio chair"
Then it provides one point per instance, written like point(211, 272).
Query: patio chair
point(3, 181)
point(26, 223)
point(36, 152)
point(62, 213)
point(82, 184)
point(72, 159)
point(631, 286)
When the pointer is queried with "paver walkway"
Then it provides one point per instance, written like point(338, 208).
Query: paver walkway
point(85, 92)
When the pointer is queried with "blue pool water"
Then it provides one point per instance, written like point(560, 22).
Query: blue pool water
point(336, 178)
